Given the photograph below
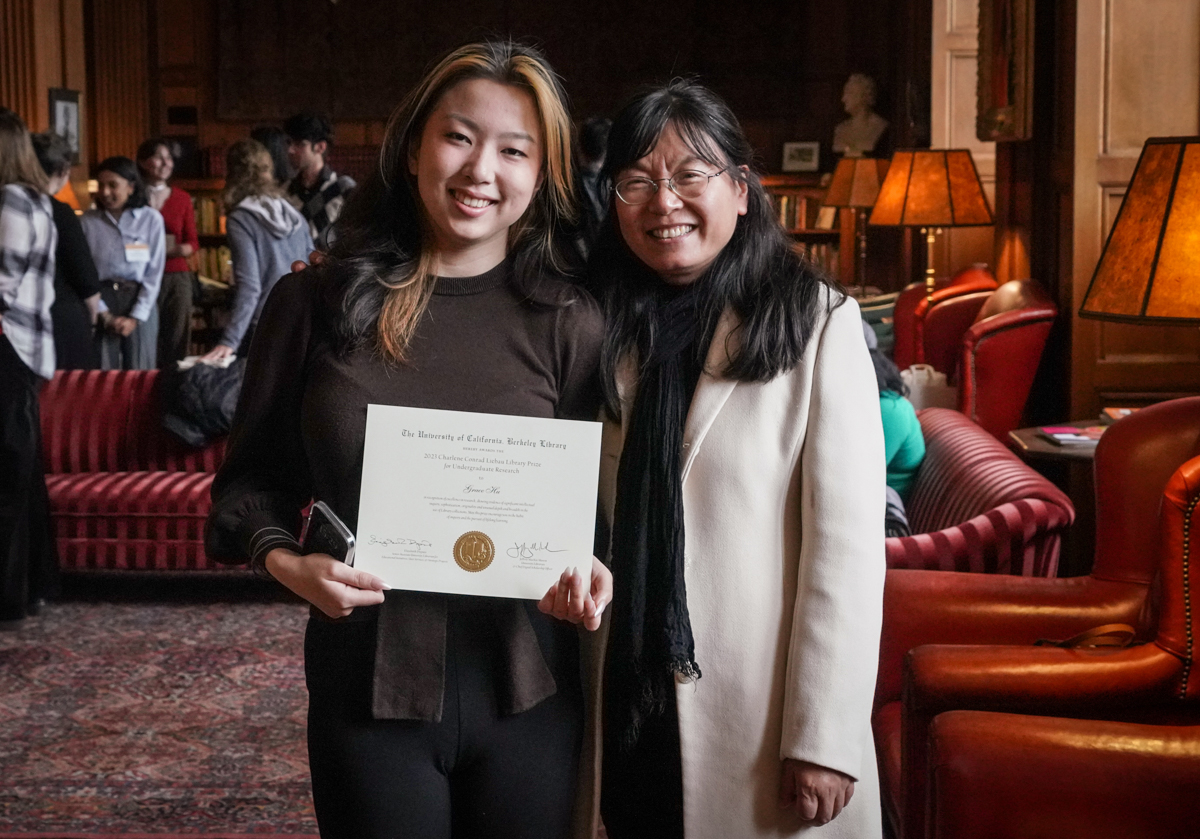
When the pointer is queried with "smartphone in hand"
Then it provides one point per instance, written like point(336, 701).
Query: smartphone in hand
point(325, 533)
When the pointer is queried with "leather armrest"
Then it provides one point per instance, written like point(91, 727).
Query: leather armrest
point(1035, 679)
point(949, 607)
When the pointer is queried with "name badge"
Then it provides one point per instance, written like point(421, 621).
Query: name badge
point(137, 252)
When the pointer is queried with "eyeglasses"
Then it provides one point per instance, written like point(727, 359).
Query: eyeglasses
point(686, 184)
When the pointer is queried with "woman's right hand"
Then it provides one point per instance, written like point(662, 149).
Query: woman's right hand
point(217, 353)
point(332, 586)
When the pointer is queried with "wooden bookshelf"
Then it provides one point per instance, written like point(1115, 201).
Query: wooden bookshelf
point(797, 200)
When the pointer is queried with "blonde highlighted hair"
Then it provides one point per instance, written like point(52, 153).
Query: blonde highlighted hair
point(398, 260)
point(18, 162)
point(249, 172)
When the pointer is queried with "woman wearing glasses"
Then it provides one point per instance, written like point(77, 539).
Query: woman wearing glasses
point(744, 472)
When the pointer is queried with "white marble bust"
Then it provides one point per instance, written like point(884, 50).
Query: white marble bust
point(857, 136)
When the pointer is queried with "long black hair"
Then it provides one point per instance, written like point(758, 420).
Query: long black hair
point(381, 273)
point(776, 294)
point(127, 169)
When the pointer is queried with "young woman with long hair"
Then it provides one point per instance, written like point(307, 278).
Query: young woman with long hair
point(441, 291)
point(156, 163)
point(266, 234)
point(28, 238)
point(743, 471)
point(129, 246)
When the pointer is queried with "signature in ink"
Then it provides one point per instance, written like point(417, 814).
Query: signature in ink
point(415, 543)
point(526, 550)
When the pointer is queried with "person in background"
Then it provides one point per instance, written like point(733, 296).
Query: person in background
point(319, 192)
point(742, 467)
point(276, 142)
point(156, 163)
point(28, 238)
point(266, 234)
point(903, 440)
point(128, 244)
point(591, 189)
point(76, 283)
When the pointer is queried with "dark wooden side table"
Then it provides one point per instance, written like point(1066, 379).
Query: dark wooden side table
point(1031, 445)
point(1069, 467)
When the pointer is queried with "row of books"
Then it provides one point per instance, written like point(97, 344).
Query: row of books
point(823, 255)
point(793, 210)
point(802, 212)
point(210, 215)
point(215, 264)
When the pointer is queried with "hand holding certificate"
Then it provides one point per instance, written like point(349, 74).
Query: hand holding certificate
point(484, 504)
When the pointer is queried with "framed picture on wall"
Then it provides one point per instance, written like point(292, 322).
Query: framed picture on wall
point(64, 118)
point(1005, 82)
point(801, 157)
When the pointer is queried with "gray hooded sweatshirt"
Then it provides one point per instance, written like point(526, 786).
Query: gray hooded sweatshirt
point(265, 236)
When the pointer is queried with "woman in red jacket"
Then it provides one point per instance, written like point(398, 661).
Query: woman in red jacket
point(156, 162)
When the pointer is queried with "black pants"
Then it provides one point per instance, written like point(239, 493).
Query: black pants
point(28, 560)
point(174, 318)
point(474, 774)
point(641, 791)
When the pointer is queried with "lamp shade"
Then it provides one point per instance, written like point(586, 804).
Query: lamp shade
point(1149, 271)
point(856, 182)
point(931, 188)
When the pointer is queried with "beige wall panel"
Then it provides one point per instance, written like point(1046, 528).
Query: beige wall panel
point(955, 47)
point(1137, 76)
point(964, 17)
point(1152, 72)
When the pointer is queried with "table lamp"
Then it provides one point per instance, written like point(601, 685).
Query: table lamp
point(931, 189)
point(1149, 271)
point(855, 184)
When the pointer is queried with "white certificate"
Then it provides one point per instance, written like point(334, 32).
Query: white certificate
point(466, 503)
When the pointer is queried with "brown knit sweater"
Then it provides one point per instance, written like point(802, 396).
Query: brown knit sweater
point(298, 435)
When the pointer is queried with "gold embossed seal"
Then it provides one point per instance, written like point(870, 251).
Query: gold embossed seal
point(474, 551)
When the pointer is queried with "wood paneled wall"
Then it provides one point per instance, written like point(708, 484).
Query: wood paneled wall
point(781, 64)
point(119, 45)
point(42, 46)
point(18, 59)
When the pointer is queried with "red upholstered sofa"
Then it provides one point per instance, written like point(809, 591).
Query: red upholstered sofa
point(124, 494)
point(975, 506)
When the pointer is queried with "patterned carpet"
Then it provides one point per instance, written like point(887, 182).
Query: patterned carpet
point(155, 720)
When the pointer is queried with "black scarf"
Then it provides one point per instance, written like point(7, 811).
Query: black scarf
point(651, 635)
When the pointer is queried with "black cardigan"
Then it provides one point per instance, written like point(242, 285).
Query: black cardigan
point(299, 430)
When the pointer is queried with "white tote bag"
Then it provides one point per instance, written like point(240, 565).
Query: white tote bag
point(927, 388)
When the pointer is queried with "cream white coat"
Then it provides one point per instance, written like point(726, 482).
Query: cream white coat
point(783, 486)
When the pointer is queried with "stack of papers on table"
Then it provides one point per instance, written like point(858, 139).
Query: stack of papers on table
point(1069, 435)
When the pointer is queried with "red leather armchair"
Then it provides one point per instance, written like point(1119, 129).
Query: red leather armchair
point(1000, 352)
point(1134, 460)
point(1010, 776)
point(913, 309)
